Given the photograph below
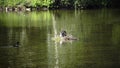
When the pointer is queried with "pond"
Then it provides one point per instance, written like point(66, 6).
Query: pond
point(98, 32)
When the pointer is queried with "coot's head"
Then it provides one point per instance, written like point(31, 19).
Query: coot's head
point(16, 44)
point(63, 33)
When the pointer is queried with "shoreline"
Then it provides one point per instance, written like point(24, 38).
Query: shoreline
point(18, 9)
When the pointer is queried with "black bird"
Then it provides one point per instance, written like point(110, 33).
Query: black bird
point(17, 44)
point(63, 33)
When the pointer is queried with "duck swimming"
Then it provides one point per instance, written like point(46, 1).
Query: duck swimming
point(64, 35)
point(17, 44)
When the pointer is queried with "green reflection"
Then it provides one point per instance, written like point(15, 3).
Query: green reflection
point(98, 31)
point(30, 30)
point(27, 19)
point(97, 47)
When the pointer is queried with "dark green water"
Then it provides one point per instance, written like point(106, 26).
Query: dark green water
point(98, 45)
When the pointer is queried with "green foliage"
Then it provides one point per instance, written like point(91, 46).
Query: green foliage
point(43, 3)
point(61, 3)
point(28, 3)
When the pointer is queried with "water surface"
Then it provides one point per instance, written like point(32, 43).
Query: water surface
point(98, 45)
